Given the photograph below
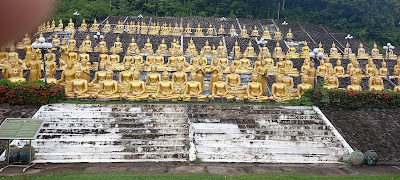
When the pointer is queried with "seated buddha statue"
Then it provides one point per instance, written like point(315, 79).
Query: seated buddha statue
point(56, 42)
point(138, 59)
point(172, 61)
point(107, 27)
point(306, 65)
point(73, 56)
point(102, 46)
point(13, 73)
point(86, 44)
point(370, 68)
point(99, 76)
point(210, 31)
point(178, 48)
point(108, 88)
point(397, 88)
point(291, 53)
point(59, 27)
point(351, 64)
point(254, 90)
point(289, 67)
point(334, 52)
point(266, 34)
point(221, 30)
point(179, 78)
point(191, 48)
point(383, 70)
point(348, 52)
point(152, 80)
point(83, 57)
point(279, 90)
point(67, 75)
point(320, 48)
point(78, 87)
point(355, 84)
point(115, 60)
point(150, 60)
point(280, 64)
point(154, 29)
point(188, 30)
point(250, 50)
point(176, 30)
point(137, 27)
point(361, 52)
point(143, 28)
point(355, 70)
point(278, 35)
point(305, 51)
point(103, 57)
point(163, 47)
point(233, 80)
point(375, 82)
point(397, 68)
point(287, 80)
point(243, 32)
point(220, 89)
point(53, 25)
point(128, 58)
point(255, 33)
point(339, 69)
point(70, 26)
point(235, 50)
point(278, 53)
point(327, 63)
point(221, 48)
point(131, 27)
point(232, 30)
point(331, 81)
point(126, 76)
point(83, 27)
point(118, 46)
point(25, 41)
point(375, 53)
point(147, 47)
point(132, 46)
point(136, 88)
point(265, 52)
point(165, 89)
point(303, 86)
point(94, 27)
point(223, 62)
point(269, 62)
point(289, 35)
point(192, 90)
point(119, 28)
point(72, 43)
point(207, 49)
point(164, 30)
point(199, 31)
point(181, 60)
point(392, 56)
point(322, 70)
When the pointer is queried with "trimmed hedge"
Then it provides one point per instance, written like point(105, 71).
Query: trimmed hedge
point(25, 93)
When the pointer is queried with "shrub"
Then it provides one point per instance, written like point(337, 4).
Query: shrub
point(35, 93)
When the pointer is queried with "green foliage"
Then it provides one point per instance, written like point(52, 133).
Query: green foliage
point(35, 93)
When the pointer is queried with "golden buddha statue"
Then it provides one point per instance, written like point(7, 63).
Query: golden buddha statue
point(269, 62)
point(72, 43)
point(176, 30)
point(348, 52)
point(165, 89)
point(320, 48)
point(136, 88)
point(126, 76)
point(254, 90)
point(221, 48)
point(182, 60)
point(223, 62)
point(67, 75)
point(159, 59)
point(210, 31)
point(94, 27)
point(83, 27)
point(103, 57)
point(375, 53)
point(191, 48)
point(201, 72)
point(99, 76)
point(138, 59)
point(265, 52)
point(280, 64)
point(179, 78)
point(322, 70)
point(214, 51)
point(115, 60)
point(289, 35)
point(172, 61)
point(199, 31)
point(306, 65)
point(243, 32)
point(305, 51)
point(128, 58)
point(392, 56)
point(177, 47)
point(137, 27)
point(49, 28)
point(233, 80)
point(327, 63)
point(287, 80)
point(108, 88)
point(355, 84)
point(278, 51)
point(250, 50)
point(397, 88)
point(25, 41)
point(370, 68)
point(278, 35)
point(221, 30)
point(232, 31)
point(279, 90)
point(236, 50)
point(132, 46)
point(220, 89)
point(102, 46)
point(193, 90)
point(118, 46)
point(266, 34)
point(131, 28)
point(64, 49)
point(262, 72)
point(143, 28)
point(383, 70)
point(334, 52)
point(4, 55)
point(375, 82)
point(351, 64)
point(355, 70)
point(78, 87)
point(50, 59)
point(153, 29)
point(34, 68)
point(150, 60)
point(53, 25)
point(152, 80)
point(164, 30)
point(13, 72)
point(361, 52)
point(70, 26)
point(397, 68)
point(56, 42)
point(119, 28)
point(86, 66)
point(303, 86)
point(147, 47)
point(163, 47)
point(107, 27)
point(291, 53)
point(188, 30)
point(14, 55)
point(255, 33)
point(86, 44)
point(331, 81)
point(339, 69)
point(60, 26)
point(207, 49)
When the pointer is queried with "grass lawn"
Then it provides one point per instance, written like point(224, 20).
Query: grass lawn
point(124, 175)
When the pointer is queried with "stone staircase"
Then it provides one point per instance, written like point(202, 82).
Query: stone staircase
point(264, 134)
point(182, 132)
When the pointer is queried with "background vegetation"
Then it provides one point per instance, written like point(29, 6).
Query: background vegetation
point(372, 20)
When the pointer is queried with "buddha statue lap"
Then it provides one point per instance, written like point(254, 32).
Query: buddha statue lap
point(303, 86)
point(355, 84)
point(108, 88)
point(279, 90)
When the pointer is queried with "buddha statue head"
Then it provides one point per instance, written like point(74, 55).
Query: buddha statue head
point(220, 76)
point(375, 46)
point(305, 43)
point(137, 52)
point(187, 25)
point(72, 37)
point(136, 75)
point(133, 39)
point(220, 43)
point(109, 75)
point(255, 27)
point(361, 45)
point(304, 78)
point(107, 22)
point(338, 62)
point(232, 69)
point(198, 26)
point(56, 36)
point(333, 45)
point(320, 45)
point(277, 43)
point(290, 30)
point(236, 43)
point(118, 39)
point(127, 66)
point(165, 75)
point(291, 44)
point(277, 29)
point(148, 40)
point(70, 20)
point(95, 21)
point(354, 80)
point(250, 44)
point(347, 45)
point(87, 37)
point(207, 44)
point(210, 26)
point(153, 68)
point(83, 21)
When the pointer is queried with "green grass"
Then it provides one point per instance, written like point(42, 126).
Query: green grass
point(124, 175)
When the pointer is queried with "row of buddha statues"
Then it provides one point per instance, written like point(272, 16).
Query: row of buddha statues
point(163, 29)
